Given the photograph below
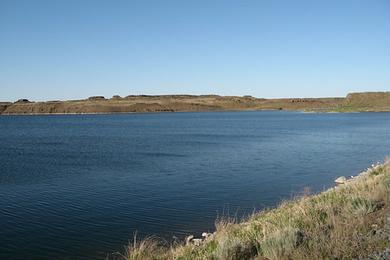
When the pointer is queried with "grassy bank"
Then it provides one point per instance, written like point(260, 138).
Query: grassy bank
point(349, 221)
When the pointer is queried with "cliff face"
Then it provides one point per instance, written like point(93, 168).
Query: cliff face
point(3, 106)
point(369, 100)
point(378, 101)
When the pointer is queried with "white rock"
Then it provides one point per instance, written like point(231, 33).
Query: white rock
point(341, 180)
point(197, 241)
point(206, 235)
point(189, 239)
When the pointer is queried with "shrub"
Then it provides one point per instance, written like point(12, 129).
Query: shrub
point(281, 243)
point(361, 206)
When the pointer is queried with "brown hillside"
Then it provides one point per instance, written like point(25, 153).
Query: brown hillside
point(370, 101)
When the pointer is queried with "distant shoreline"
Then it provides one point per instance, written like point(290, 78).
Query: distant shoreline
point(159, 112)
point(354, 102)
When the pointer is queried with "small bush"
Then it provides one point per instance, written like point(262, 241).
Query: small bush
point(386, 183)
point(281, 243)
point(362, 206)
point(226, 247)
point(146, 249)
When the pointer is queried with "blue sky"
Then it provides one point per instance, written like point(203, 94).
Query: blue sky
point(74, 49)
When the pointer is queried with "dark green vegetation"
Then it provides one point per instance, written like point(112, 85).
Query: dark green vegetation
point(349, 221)
point(369, 101)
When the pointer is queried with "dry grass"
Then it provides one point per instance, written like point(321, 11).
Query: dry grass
point(340, 223)
point(145, 249)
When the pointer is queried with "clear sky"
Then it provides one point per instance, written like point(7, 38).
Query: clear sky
point(78, 48)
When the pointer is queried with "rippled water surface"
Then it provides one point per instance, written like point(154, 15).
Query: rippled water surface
point(79, 186)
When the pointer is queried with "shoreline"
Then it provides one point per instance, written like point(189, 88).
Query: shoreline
point(158, 112)
point(312, 226)
point(130, 113)
point(210, 111)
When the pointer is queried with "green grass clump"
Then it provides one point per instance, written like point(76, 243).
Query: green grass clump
point(362, 206)
point(281, 243)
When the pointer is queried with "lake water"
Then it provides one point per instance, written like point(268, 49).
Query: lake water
point(79, 186)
